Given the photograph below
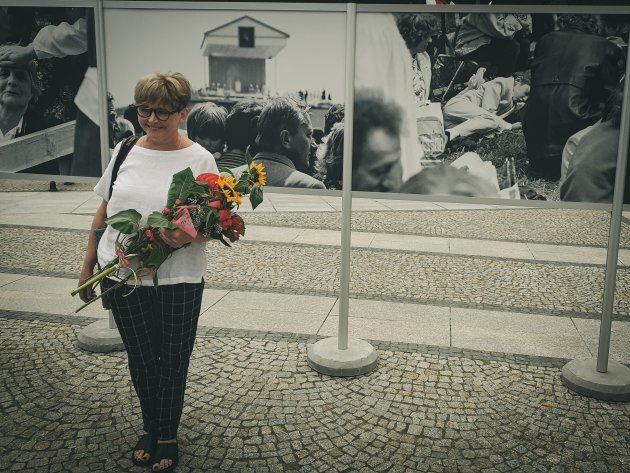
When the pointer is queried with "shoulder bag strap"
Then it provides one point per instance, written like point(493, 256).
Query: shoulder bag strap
point(125, 147)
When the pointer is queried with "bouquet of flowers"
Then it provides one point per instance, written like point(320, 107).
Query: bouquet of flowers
point(203, 205)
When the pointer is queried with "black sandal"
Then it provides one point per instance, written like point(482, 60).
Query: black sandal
point(166, 451)
point(146, 443)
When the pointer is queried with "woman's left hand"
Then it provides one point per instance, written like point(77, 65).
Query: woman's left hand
point(175, 238)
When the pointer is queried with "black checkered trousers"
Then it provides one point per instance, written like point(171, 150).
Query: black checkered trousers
point(158, 327)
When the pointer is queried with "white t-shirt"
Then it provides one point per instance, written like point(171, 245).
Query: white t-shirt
point(142, 184)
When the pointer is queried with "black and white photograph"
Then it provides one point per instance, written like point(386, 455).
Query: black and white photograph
point(492, 105)
point(48, 94)
point(271, 82)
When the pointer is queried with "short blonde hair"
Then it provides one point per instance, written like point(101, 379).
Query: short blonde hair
point(170, 88)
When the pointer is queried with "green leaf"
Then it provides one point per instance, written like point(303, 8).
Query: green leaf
point(248, 157)
point(180, 186)
point(222, 240)
point(200, 188)
point(224, 170)
point(157, 257)
point(126, 221)
point(155, 279)
point(242, 186)
point(159, 220)
point(256, 196)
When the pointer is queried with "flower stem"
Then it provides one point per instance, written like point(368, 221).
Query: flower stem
point(96, 278)
point(115, 286)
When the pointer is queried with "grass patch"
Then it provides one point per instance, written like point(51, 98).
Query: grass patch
point(496, 148)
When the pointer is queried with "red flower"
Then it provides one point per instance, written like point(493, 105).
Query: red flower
point(224, 215)
point(166, 210)
point(238, 224)
point(234, 236)
point(149, 234)
point(210, 178)
point(177, 201)
point(214, 204)
point(226, 224)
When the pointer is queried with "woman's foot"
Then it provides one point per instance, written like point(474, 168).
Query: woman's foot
point(143, 451)
point(166, 455)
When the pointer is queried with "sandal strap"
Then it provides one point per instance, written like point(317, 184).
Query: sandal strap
point(166, 451)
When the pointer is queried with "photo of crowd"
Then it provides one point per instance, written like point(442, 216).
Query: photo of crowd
point(490, 105)
point(48, 91)
point(258, 86)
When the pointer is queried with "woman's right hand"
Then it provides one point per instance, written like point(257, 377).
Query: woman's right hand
point(87, 293)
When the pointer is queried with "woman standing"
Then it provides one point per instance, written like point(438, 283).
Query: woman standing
point(157, 325)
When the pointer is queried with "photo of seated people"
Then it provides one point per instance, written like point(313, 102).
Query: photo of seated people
point(48, 91)
point(513, 106)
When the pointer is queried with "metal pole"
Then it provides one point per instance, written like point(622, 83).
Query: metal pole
point(101, 70)
point(346, 198)
point(615, 229)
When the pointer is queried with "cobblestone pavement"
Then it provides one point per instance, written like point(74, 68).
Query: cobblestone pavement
point(254, 405)
point(550, 226)
point(461, 281)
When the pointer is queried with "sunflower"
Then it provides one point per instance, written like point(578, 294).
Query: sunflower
point(258, 171)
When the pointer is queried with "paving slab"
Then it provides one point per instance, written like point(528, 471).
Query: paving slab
point(8, 278)
point(409, 330)
point(411, 243)
point(263, 320)
point(211, 297)
point(527, 334)
point(619, 338)
point(65, 220)
point(382, 310)
point(569, 254)
point(280, 234)
point(408, 204)
point(271, 301)
point(47, 303)
point(489, 248)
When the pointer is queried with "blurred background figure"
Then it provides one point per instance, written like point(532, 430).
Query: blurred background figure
point(383, 67)
point(444, 179)
point(592, 169)
point(335, 114)
point(500, 40)
point(241, 128)
point(376, 158)
point(573, 71)
point(329, 163)
point(416, 30)
point(206, 125)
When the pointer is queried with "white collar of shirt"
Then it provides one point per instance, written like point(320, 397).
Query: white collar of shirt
point(9, 135)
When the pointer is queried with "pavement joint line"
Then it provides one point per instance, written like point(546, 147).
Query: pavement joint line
point(621, 317)
point(587, 343)
point(439, 352)
point(359, 296)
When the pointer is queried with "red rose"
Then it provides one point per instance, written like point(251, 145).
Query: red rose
point(209, 178)
point(149, 234)
point(166, 210)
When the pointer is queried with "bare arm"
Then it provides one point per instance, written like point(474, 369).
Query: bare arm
point(90, 259)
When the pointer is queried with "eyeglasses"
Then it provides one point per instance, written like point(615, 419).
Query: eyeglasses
point(160, 113)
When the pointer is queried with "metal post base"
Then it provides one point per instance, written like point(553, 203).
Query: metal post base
point(325, 357)
point(582, 377)
point(99, 338)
